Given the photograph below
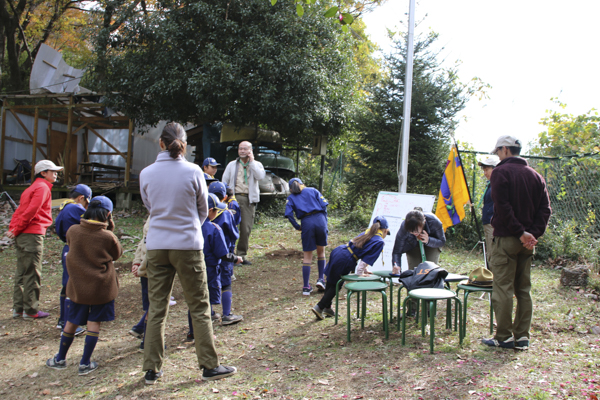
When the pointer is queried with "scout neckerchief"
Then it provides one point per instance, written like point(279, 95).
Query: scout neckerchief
point(64, 203)
point(219, 212)
point(380, 234)
point(245, 170)
point(230, 199)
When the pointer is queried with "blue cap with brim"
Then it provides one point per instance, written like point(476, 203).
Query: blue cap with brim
point(105, 202)
point(83, 190)
point(296, 180)
point(213, 202)
point(217, 188)
point(383, 224)
point(210, 161)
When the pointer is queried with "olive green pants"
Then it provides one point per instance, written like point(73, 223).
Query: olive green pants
point(248, 212)
point(189, 266)
point(28, 276)
point(488, 232)
point(511, 265)
point(414, 257)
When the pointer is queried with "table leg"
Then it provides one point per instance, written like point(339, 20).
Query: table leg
point(364, 309)
point(449, 314)
point(432, 310)
point(349, 320)
point(458, 306)
point(404, 320)
point(466, 300)
point(424, 305)
point(391, 300)
point(386, 322)
point(337, 299)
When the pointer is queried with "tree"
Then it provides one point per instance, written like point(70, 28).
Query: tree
point(437, 98)
point(243, 62)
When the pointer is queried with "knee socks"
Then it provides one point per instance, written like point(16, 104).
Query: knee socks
point(306, 274)
point(321, 266)
point(226, 302)
point(66, 339)
point(63, 309)
point(91, 338)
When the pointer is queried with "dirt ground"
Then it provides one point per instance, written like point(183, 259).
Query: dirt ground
point(281, 350)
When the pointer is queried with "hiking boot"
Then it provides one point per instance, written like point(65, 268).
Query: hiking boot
point(52, 363)
point(318, 312)
point(151, 377)
point(507, 344)
point(218, 373)
point(86, 369)
point(231, 319)
point(329, 312)
point(320, 285)
point(136, 334)
point(38, 315)
point(306, 291)
point(522, 343)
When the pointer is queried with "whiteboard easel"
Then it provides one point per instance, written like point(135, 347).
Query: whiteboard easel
point(394, 207)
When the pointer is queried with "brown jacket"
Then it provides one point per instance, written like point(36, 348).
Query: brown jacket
point(92, 250)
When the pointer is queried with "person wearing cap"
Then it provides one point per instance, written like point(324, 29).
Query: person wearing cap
point(232, 204)
point(209, 166)
point(488, 205)
point(93, 285)
point(310, 208)
point(242, 175)
point(366, 247)
point(521, 214)
point(224, 218)
point(175, 194)
point(28, 227)
point(69, 214)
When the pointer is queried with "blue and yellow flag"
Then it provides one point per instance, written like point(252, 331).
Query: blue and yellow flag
point(454, 193)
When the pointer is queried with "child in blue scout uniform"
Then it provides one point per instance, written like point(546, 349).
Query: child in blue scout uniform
point(209, 167)
point(366, 247)
point(232, 204)
point(216, 253)
point(311, 208)
point(93, 284)
point(224, 219)
point(70, 214)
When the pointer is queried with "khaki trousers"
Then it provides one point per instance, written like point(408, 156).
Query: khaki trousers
point(161, 269)
point(248, 212)
point(511, 264)
point(488, 233)
point(28, 276)
point(414, 256)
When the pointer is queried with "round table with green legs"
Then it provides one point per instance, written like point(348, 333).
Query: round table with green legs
point(385, 274)
point(467, 289)
point(365, 287)
point(429, 297)
point(351, 278)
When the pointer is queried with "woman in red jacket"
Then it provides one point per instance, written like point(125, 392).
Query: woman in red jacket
point(28, 228)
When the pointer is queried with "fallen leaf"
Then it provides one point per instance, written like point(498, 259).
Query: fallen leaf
point(34, 375)
point(46, 392)
point(419, 388)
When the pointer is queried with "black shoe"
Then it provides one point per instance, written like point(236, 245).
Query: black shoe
point(142, 345)
point(151, 377)
point(246, 262)
point(86, 369)
point(189, 337)
point(522, 343)
point(218, 373)
point(507, 344)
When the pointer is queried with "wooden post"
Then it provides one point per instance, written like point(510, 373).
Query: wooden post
point(3, 142)
point(35, 136)
point(129, 154)
point(67, 154)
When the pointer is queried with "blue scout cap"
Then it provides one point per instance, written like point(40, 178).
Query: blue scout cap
point(213, 202)
point(383, 224)
point(83, 190)
point(104, 202)
point(296, 180)
point(210, 161)
point(217, 188)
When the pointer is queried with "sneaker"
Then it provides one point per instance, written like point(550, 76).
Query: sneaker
point(189, 337)
point(522, 343)
point(60, 325)
point(18, 315)
point(38, 315)
point(136, 334)
point(151, 377)
point(86, 369)
point(79, 331)
point(231, 319)
point(318, 312)
point(218, 373)
point(233, 278)
point(215, 317)
point(54, 364)
point(507, 344)
point(328, 312)
point(306, 291)
point(321, 285)
point(246, 262)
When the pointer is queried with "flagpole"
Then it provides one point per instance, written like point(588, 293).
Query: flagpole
point(468, 191)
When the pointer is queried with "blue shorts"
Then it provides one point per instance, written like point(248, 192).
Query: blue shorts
point(65, 276)
point(213, 275)
point(226, 273)
point(80, 314)
point(145, 301)
point(314, 231)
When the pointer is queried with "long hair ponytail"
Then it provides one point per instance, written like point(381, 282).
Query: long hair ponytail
point(360, 241)
point(174, 138)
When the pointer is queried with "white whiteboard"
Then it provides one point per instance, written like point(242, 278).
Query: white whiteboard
point(394, 207)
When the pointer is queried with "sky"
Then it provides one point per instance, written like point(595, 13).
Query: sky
point(528, 51)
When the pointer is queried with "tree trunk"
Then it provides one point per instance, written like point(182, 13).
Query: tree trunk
point(576, 276)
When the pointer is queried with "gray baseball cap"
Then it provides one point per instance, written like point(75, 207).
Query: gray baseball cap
point(506, 140)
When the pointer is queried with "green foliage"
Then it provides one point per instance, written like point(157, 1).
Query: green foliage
point(570, 240)
point(243, 62)
point(437, 97)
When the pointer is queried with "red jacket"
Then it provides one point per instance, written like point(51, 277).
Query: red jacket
point(34, 214)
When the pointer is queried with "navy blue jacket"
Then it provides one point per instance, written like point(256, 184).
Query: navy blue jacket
point(488, 206)
point(70, 215)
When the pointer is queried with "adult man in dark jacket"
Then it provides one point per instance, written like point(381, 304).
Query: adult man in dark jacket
point(521, 213)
